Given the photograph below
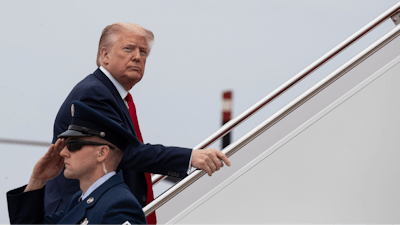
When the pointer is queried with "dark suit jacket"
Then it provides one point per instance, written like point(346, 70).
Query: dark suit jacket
point(112, 203)
point(98, 92)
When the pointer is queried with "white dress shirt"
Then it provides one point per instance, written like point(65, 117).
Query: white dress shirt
point(123, 93)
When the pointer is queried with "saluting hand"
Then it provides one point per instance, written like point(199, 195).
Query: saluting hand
point(209, 160)
point(48, 167)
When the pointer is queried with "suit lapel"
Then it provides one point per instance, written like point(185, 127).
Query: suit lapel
point(76, 215)
point(74, 212)
point(78, 212)
point(104, 79)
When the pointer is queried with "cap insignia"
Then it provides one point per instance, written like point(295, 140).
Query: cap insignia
point(72, 110)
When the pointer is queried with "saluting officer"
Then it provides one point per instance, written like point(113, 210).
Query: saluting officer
point(91, 150)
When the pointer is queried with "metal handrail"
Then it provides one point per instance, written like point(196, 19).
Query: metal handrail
point(163, 198)
point(24, 142)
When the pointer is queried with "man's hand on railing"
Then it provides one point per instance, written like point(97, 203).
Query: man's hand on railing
point(209, 160)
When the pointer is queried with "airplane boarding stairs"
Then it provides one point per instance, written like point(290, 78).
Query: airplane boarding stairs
point(332, 155)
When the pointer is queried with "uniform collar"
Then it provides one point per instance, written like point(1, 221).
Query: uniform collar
point(78, 211)
point(96, 184)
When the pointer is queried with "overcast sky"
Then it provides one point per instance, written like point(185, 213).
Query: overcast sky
point(201, 49)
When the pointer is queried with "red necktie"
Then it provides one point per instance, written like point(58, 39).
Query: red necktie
point(151, 219)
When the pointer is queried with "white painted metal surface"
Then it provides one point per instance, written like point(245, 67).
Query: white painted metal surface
point(341, 166)
point(355, 71)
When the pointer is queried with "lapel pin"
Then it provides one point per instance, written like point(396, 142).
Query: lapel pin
point(90, 200)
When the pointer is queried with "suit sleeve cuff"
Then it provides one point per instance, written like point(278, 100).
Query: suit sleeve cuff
point(25, 204)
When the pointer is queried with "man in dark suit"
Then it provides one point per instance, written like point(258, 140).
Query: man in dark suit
point(91, 150)
point(122, 55)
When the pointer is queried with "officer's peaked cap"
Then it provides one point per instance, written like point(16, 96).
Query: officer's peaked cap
point(88, 122)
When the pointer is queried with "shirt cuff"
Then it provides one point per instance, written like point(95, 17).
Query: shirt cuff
point(190, 167)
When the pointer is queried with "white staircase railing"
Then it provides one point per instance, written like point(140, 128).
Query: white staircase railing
point(163, 198)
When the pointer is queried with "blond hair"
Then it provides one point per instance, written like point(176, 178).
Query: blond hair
point(110, 35)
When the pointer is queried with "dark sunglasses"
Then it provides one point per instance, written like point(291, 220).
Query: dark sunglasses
point(73, 145)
